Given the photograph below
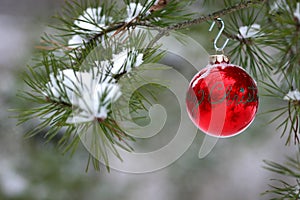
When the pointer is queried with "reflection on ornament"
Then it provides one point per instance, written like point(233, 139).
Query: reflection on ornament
point(222, 98)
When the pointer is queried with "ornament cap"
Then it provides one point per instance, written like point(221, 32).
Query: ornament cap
point(218, 59)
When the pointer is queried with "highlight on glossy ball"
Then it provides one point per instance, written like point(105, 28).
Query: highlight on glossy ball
point(222, 99)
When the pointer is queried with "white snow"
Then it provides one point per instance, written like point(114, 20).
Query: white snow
point(93, 100)
point(88, 92)
point(293, 95)
point(76, 41)
point(121, 62)
point(90, 21)
point(279, 4)
point(92, 91)
point(91, 17)
point(125, 60)
point(249, 31)
point(64, 82)
point(133, 10)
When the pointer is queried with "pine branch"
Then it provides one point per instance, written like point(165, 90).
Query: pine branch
point(201, 19)
point(289, 169)
point(214, 15)
point(181, 25)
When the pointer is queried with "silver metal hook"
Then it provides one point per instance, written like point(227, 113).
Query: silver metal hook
point(219, 35)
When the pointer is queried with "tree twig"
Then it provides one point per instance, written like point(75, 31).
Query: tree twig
point(202, 19)
point(180, 25)
point(215, 15)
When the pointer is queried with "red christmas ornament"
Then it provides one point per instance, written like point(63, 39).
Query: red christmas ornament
point(222, 98)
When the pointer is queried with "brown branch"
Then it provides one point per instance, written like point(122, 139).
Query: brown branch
point(215, 15)
point(202, 19)
point(121, 26)
point(180, 25)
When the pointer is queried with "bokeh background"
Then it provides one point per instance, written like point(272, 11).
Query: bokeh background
point(31, 169)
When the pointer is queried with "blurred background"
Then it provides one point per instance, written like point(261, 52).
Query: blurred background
point(31, 169)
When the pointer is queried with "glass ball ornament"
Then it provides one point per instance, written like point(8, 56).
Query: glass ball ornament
point(222, 98)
